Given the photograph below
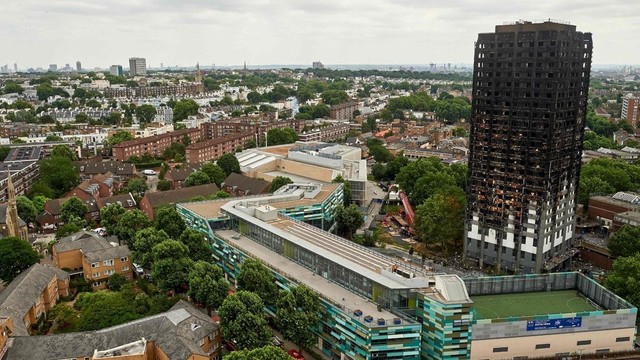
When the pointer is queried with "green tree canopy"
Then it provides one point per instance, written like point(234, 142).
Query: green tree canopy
point(59, 175)
point(441, 218)
point(346, 189)
point(129, 224)
point(172, 273)
point(278, 182)
point(229, 163)
point(168, 219)
point(4, 151)
point(197, 178)
point(72, 226)
point(624, 280)
point(64, 151)
point(53, 138)
point(349, 219)
point(73, 207)
point(243, 320)
point(625, 241)
point(207, 285)
point(215, 173)
point(118, 137)
point(196, 242)
point(137, 186)
point(163, 185)
point(110, 215)
point(16, 255)
point(255, 277)
point(183, 109)
point(334, 97)
point(298, 315)
point(143, 244)
point(145, 113)
point(26, 210)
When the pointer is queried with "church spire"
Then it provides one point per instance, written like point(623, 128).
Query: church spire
point(13, 225)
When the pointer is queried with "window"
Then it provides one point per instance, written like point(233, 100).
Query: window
point(125, 268)
point(109, 272)
point(97, 283)
point(95, 275)
point(95, 264)
point(124, 258)
point(623, 339)
point(543, 346)
point(108, 262)
point(500, 349)
point(583, 342)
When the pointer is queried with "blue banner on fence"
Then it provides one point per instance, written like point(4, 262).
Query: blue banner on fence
point(554, 324)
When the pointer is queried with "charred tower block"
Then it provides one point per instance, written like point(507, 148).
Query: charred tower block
point(530, 86)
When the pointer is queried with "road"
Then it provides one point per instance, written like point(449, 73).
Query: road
point(152, 182)
point(373, 192)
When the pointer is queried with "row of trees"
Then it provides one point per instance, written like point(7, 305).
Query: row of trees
point(607, 176)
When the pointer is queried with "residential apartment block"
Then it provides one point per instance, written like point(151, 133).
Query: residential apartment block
point(530, 86)
point(153, 145)
point(137, 66)
point(631, 109)
point(215, 148)
point(31, 295)
point(343, 111)
point(182, 333)
point(94, 256)
point(332, 132)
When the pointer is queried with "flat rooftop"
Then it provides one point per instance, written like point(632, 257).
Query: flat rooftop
point(280, 150)
point(335, 246)
point(530, 304)
point(210, 209)
point(329, 290)
point(293, 177)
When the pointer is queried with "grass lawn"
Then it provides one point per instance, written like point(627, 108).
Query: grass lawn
point(529, 304)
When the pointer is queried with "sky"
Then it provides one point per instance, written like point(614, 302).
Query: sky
point(35, 33)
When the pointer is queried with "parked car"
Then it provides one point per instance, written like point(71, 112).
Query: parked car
point(148, 172)
point(295, 354)
point(139, 269)
point(277, 342)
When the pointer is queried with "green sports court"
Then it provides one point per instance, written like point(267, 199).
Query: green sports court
point(530, 304)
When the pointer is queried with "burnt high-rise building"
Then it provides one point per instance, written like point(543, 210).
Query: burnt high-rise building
point(530, 85)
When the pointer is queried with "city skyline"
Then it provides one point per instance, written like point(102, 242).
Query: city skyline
point(264, 32)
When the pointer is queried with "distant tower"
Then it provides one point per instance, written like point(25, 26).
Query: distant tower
point(78, 66)
point(199, 78)
point(198, 73)
point(15, 67)
point(245, 67)
point(13, 224)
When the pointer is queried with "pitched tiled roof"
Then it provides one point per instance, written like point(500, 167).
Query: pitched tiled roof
point(176, 332)
point(250, 186)
point(23, 292)
point(158, 199)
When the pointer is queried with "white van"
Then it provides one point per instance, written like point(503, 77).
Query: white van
point(148, 172)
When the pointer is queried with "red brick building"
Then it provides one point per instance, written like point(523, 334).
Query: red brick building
point(154, 145)
point(343, 111)
point(152, 201)
point(215, 148)
point(605, 208)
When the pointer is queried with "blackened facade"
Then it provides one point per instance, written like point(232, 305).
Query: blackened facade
point(530, 86)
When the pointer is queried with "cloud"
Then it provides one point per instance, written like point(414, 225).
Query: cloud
point(39, 32)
